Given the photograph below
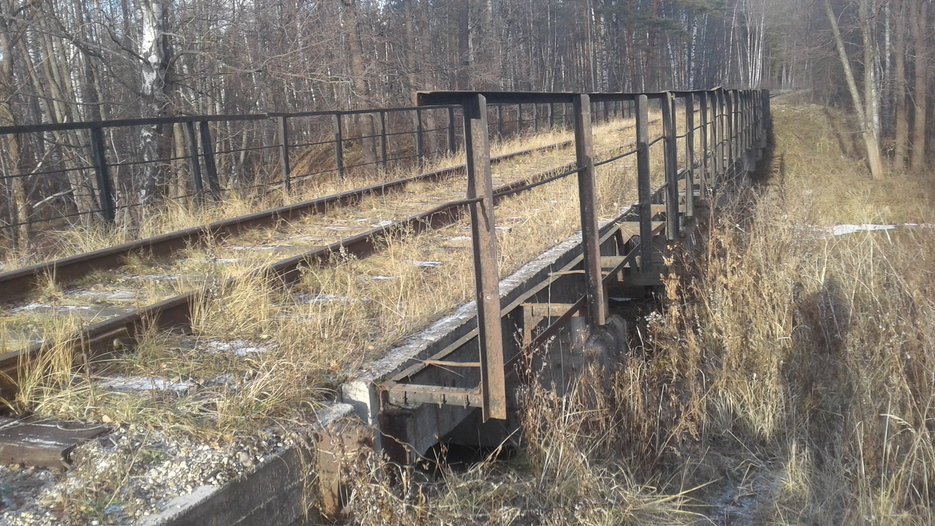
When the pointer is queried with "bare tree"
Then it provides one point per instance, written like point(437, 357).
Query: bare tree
point(901, 141)
point(12, 29)
point(154, 55)
point(921, 41)
point(866, 104)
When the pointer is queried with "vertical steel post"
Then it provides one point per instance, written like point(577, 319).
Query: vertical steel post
point(747, 121)
point(744, 121)
point(751, 119)
point(720, 128)
point(764, 119)
point(671, 168)
point(731, 130)
point(587, 194)
point(499, 121)
point(757, 116)
point(690, 155)
point(519, 119)
point(484, 236)
point(207, 152)
point(420, 139)
point(703, 181)
point(535, 118)
point(338, 145)
point(738, 110)
point(643, 183)
point(551, 116)
point(105, 190)
point(382, 116)
point(742, 124)
point(284, 153)
point(191, 140)
point(451, 130)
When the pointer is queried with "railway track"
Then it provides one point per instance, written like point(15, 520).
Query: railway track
point(344, 224)
point(18, 284)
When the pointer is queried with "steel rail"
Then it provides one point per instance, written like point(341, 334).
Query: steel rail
point(16, 284)
point(114, 334)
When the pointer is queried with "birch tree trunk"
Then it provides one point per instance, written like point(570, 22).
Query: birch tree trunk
point(867, 132)
point(901, 147)
point(52, 79)
point(920, 36)
point(362, 93)
point(150, 179)
point(872, 88)
point(10, 163)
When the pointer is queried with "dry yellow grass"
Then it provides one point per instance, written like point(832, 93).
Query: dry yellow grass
point(337, 318)
point(789, 380)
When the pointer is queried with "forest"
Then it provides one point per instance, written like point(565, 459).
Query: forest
point(64, 61)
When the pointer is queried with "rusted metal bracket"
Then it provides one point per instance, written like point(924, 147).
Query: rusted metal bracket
point(44, 444)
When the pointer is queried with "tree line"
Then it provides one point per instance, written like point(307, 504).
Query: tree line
point(87, 60)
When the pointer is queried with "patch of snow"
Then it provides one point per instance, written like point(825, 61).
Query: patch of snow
point(424, 264)
point(844, 229)
point(145, 383)
point(840, 230)
point(161, 277)
point(236, 347)
point(384, 223)
point(31, 307)
point(326, 298)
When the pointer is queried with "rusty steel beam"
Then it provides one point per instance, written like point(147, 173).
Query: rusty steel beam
point(705, 146)
point(44, 443)
point(644, 188)
point(444, 98)
point(690, 155)
point(671, 168)
point(731, 129)
point(285, 167)
point(484, 241)
point(587, 195)
point(411, 395)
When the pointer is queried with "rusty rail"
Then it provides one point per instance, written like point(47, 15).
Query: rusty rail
point(121, 331)
point(16, 284)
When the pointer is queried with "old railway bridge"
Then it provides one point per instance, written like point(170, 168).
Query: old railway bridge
point(457, 378)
